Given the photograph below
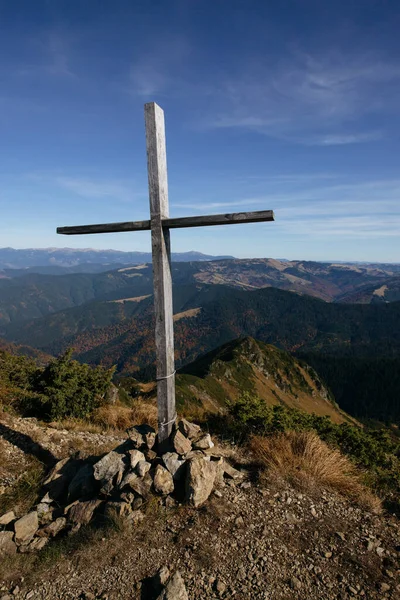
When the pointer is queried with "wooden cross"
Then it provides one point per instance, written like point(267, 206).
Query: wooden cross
point(159, 224)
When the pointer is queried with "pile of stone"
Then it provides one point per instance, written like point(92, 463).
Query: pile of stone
point(167, 587)
point(185, 468)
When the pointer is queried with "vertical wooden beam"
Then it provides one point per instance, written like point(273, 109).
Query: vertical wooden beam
point(160, 240)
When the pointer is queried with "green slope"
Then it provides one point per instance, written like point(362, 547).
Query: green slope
point(248, 365)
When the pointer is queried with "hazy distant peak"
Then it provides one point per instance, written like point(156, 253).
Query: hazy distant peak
point(12, 258)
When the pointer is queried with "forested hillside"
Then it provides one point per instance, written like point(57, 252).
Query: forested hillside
point(33, 295)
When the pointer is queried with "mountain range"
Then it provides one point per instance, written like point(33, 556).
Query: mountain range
point(344, 320)
point(70, 258)
point(35, 295)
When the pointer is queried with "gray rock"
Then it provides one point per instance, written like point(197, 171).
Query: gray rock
point(219, 478)
point(38, 543)
point(170, 502)
point(200, 478)
point(150, 439)
point(163, 481)
point(126, 482)
point(180, 443)
point(142, 435)
point(135, 517)
point(107, 487)
point(107, 467)
point(53, 528)
point(45, 512)
point(56, 483)
point(230, 471)
point(174, 464)
point(194, 454)
point(7, 518)
point(82, 484)
point(135, 456)
point(220, 586)
point(120, 509)
point(142, 468)
point(203, 442)
point(160, 579)
point(189, 430)
point(128, 497)
point(82, 512)
point(55, 472)
point(7, 545)
point(135, 436)
point(149, 455)
point(141, 485)
point(26, 527)
point(175, 589)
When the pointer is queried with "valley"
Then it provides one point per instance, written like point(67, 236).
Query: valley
point(36, 294)
point(342, 319)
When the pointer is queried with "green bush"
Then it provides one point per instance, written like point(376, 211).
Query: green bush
point(70, 389)
point(17, 374)
point(65, 388)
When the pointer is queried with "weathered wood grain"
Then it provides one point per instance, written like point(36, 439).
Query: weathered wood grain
point(176, 223)
point(225, 219)
point(106, 228)
point(160, 241)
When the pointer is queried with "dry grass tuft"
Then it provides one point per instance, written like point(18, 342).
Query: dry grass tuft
point(79, 425)
point(23, 493)
point(119, 417)
point(304, 460)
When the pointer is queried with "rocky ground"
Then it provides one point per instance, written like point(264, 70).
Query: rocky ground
point(249, 540)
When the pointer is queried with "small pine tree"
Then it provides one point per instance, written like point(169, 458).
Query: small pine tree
point(70, 389)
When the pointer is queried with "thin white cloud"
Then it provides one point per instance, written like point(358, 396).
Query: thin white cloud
point(91, 188)
point(54, 59)
point(307, 100)
point(160, 69)
point(348, 138)
point(367, 209)
point(365, 227)
point(212, 205)
point(96, 188)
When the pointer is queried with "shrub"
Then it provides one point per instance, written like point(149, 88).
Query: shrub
point(17, 374)
point(70, 389)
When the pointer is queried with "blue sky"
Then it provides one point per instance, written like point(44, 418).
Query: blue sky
point(291, 105)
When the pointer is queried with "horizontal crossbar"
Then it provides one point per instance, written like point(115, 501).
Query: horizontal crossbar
point(180, 222)
point(105, 228)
